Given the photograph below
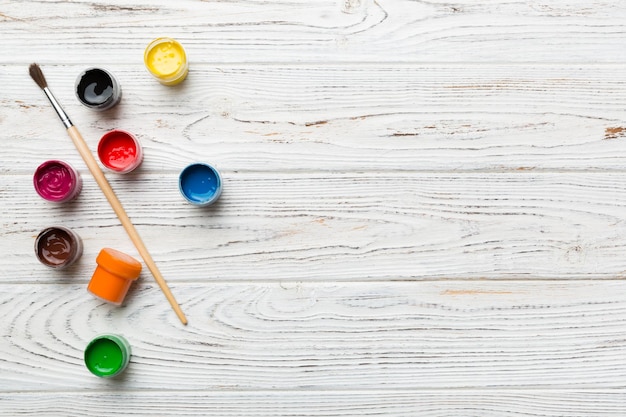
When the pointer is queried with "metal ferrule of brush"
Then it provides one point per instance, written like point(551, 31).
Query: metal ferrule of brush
point(57, 107)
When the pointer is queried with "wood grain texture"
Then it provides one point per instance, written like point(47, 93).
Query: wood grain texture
point(452, 335)
point(423, 209)
point(462, 403)
point(346, 227)
point(337, 118)
point(304, 31)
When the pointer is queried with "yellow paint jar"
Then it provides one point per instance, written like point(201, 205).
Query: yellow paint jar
point(166, 60)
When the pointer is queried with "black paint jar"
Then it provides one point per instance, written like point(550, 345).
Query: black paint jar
point(97, 89)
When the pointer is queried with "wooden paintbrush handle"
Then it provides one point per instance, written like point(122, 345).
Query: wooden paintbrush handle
point(104, 185)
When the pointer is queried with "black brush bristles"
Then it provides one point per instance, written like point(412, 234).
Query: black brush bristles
point(37, 75)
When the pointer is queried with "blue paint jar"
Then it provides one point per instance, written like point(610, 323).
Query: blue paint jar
point(200, 184)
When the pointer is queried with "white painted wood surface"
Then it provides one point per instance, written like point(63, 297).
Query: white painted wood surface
point(423, 211)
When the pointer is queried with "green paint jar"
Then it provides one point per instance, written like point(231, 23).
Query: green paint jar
point(107, 355)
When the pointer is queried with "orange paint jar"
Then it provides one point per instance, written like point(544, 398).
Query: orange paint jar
point(113, 275)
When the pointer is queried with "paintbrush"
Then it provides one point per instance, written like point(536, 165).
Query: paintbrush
point(103, 183)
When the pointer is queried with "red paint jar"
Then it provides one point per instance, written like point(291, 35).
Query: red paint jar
point(120, 151)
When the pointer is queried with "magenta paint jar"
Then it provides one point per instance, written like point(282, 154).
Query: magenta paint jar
point(57, 181)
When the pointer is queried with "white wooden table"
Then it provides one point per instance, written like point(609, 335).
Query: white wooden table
point(424, 209)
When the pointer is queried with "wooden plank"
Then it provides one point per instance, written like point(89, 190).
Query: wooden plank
point(330, 118)
point(362, 336)
point(344, 227)
point(319, 31)
point(461, 403)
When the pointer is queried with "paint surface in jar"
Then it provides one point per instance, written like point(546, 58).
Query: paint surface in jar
point(95, 87)
point(55, 247)
point(118, 151)
point(54, 181)
point(165, 58)
point(199, 183)
point(58, 247)
point(104, 357)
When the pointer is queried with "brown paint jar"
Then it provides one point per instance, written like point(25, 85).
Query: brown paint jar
point(58, 247)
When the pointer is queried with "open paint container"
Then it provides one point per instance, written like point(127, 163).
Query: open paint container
point(57, 181)
point(97, 89)
point(166, 60)
point(120, 151)
point(107, 355)
point(200, 184)
point(58, 247)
